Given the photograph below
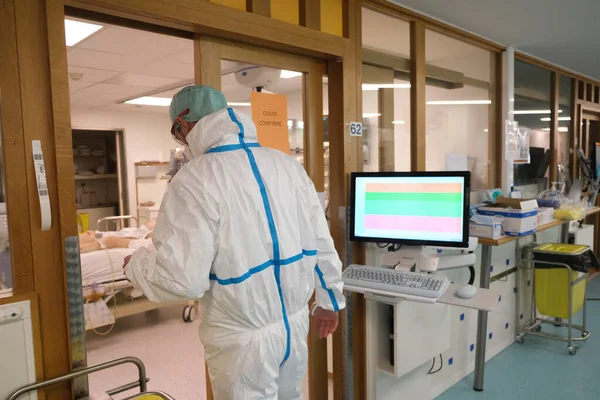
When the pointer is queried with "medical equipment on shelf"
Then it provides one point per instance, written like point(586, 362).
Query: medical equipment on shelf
point(390, 280)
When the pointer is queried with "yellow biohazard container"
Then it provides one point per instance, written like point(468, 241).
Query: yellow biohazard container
point(552, 282)
point(83, 222)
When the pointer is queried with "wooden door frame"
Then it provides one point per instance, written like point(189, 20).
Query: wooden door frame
point(196, 18)
point(208, 55)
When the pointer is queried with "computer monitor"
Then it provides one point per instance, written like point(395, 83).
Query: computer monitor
point(410, 208)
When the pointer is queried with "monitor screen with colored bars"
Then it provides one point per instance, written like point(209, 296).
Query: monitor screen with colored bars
point(415, 208)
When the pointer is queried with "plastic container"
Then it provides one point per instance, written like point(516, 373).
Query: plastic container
point(553, 282)
point(552, 292)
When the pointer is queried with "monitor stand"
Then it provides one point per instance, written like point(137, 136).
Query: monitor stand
point(430, 259)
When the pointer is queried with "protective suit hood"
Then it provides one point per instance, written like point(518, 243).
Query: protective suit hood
point(216, 130)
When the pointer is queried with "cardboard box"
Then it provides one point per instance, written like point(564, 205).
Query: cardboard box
point(545, 216)
point(520, 215)
point(489, 231)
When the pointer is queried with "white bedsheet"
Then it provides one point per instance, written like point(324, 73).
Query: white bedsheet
point(96, 266)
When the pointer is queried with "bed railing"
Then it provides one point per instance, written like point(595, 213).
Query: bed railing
point(140, 383)
point(119, 222)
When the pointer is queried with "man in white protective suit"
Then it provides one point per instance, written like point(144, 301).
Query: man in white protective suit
point(241, 227)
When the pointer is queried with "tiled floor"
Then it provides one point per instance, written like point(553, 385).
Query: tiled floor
point(541, 368)
point(170, 349)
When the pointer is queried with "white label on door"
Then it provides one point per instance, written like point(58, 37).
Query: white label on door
point(356, 128)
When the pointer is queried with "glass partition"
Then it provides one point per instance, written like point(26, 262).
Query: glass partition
point(386, 92)
point(564, 129)
point(458, 101)
point(533, 104)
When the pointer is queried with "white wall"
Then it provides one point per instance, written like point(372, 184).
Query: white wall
point(146, 135)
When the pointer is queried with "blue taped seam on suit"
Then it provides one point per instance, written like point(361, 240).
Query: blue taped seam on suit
point(334, 302)
point(272, 228)
point(231, 147)
point(262, 267)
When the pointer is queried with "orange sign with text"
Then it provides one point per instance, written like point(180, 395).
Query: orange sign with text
point(269, 113)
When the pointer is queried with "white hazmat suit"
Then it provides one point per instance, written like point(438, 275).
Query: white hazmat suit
point(242, 227)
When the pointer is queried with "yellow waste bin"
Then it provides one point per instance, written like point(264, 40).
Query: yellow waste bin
point(553, 283)
point(552, 292)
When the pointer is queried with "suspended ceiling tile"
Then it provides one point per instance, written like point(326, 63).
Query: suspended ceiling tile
point(92, 74)
point(117, 92)
point(130, 79)
point(75, 86)
point(134, 108)
point(135, 43)
point(84, 99)
point(167, 70)
point(103, 61)
point(185, 56)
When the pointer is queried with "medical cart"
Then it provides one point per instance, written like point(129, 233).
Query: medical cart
point(559, 290)
point(141, 382)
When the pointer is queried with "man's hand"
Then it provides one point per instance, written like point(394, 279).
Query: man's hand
point(326, 322)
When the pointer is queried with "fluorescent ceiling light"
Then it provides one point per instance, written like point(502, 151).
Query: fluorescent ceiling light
point(486, 130)
point(285, 74)
point(76, 31)
point(398, 122)
point(368, 87)
point(560, 129)
point(523, 112)
point(166, 102)
point(370, 115)
point(150, 101)
point(547, 119)
point(458, 102)
point(239, 104)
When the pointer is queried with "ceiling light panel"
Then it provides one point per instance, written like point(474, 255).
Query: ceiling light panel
point(76, 31)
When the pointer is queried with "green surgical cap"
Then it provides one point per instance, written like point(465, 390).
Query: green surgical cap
point(201, 100)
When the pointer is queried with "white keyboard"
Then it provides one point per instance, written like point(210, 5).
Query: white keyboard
point(391, 280)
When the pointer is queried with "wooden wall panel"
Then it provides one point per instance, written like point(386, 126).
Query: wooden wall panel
point(207, 71)
point(332, 17)
point(417, 96)
point(238, 4)
point(573, 129)
point(210, 19)
point(554, 98)
point(48, 257)
point(13, 145)
point(286, 10)
point(259, 7)
point(310, 14)
point(314, 164)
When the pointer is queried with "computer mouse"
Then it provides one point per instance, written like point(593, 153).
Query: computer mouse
point(466, 291)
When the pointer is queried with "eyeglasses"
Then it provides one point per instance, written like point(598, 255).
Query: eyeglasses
point(176, 129)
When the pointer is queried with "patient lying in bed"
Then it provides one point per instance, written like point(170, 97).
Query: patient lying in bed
point(124, 239)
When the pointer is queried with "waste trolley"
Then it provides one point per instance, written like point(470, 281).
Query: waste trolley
point(141, 383)
point(559, 290)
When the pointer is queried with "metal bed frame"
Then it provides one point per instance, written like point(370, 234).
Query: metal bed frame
point(140, 305)
point(533, 325)
point(140, 383)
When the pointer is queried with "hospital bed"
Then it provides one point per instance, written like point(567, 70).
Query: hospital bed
point(103, 279)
